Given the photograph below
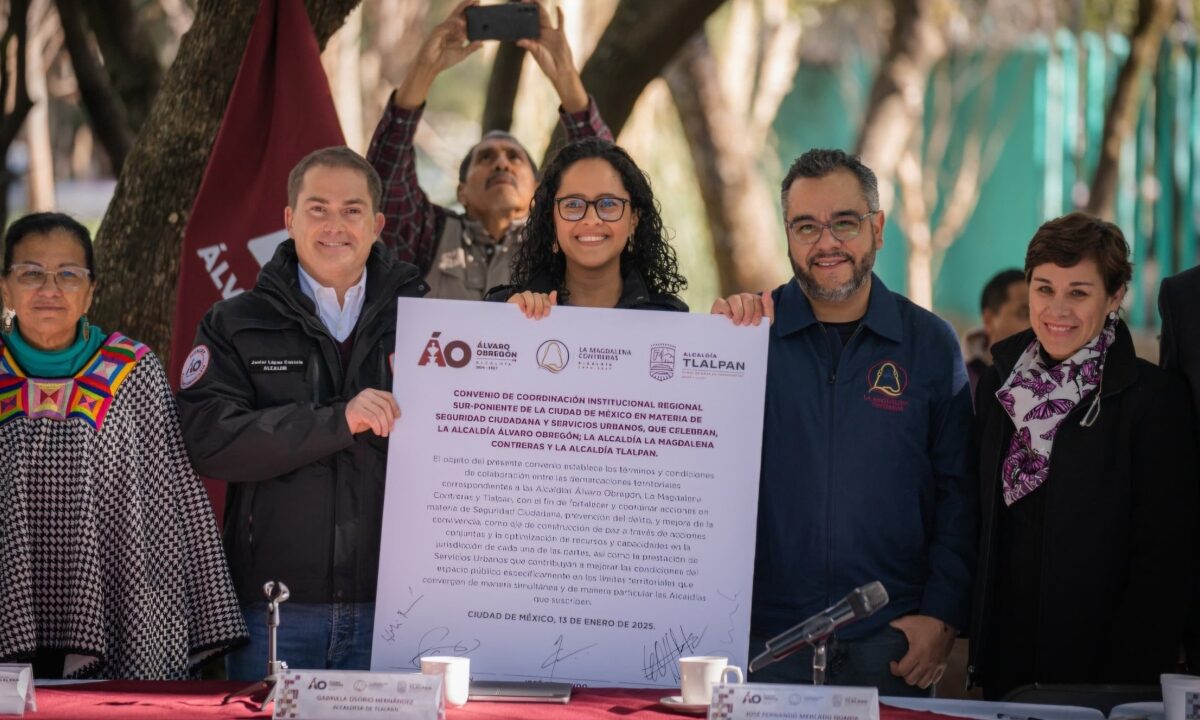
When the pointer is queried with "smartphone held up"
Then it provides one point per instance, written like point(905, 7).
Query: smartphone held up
point(505, 21)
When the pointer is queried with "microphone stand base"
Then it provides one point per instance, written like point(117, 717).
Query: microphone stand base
point(820, 657)
point(267, 688)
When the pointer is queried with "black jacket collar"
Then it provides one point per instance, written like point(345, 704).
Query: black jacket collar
point(387, 278)
point(634, 293)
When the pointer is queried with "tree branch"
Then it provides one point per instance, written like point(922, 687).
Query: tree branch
point(18, 29)
point(104, 107)
point(502, 88)
point(1144, 42)
point(635, 47)
point(130, 58)
point(898, 93)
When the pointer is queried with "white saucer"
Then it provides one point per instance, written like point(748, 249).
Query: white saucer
point(675, 703)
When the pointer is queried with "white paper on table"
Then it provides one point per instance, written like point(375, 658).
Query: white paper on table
point(573, 498)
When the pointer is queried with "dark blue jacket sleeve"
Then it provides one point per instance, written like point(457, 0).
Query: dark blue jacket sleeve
point(954, 545)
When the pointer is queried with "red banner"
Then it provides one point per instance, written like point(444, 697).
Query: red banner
point(280, 110)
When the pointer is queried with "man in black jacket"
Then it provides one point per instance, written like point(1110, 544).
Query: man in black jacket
point(1179, 352)
point(287, 396)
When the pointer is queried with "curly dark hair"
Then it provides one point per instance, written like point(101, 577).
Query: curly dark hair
point(649, 250)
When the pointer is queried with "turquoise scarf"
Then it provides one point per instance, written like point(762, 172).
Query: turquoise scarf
point(55, 363)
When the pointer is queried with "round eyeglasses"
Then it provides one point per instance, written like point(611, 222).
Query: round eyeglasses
point(843, 228)
point(68, 278)
point(608, 209)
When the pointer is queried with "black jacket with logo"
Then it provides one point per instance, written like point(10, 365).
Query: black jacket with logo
point(268, 415)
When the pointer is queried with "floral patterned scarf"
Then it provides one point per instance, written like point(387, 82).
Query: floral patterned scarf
point(1038, 398)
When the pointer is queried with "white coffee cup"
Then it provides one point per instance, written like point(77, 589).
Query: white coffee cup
point(1175, 689)
point(698, 674)
point(456, 676)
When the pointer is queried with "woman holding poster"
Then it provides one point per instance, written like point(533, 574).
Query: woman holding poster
point(594, 238)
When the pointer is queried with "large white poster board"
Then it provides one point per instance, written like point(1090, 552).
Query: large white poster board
point(572, 498)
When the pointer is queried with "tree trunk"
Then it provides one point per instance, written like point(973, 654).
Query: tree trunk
point(502, 88)
point(13, 80)
point(897, 99)
point(139, 241)
point(737, 201)
point(1144, 42)
point(635, 47)
point(104, 106)
point(39, 182)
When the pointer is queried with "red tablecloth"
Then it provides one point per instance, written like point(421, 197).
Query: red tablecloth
point(140, 700)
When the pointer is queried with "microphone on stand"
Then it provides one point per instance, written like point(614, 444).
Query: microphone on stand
point(860, 603)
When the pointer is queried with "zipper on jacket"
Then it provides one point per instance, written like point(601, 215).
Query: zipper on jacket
point(314, 375)
point(829, 451)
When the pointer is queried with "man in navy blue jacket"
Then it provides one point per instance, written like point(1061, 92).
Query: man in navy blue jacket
point(864, 446)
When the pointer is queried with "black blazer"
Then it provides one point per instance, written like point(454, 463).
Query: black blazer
point(1179, 353)
point(1119, 552)
point(1179, 346)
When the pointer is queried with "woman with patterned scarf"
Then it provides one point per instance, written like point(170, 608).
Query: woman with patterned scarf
point(1088, 471)
point(110, 563)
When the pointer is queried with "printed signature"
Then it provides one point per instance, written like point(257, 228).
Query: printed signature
point(659, 661)
point(560, 654)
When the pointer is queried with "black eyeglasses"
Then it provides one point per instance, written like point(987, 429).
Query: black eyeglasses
point(608, 209)
point(843, 228)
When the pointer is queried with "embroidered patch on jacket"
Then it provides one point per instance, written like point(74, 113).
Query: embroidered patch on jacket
point(886, 382)
point(86, 396)
point(194, 367)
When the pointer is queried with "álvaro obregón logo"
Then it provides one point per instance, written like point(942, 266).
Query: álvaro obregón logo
point(553, 355)
point(662, 361)
point(455, 354)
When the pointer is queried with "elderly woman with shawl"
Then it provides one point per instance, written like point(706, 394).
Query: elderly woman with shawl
point(110, 563)
point(1088, 466)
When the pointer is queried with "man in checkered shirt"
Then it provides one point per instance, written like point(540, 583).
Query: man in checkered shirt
point(463, 255)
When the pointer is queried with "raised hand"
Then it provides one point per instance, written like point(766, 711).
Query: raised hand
point(553, 56)
point(445, 47)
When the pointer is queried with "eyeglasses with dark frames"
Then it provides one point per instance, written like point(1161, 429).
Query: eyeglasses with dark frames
point(608, 209)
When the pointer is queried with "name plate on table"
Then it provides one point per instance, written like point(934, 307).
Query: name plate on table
point(749, 701)
point(16, 689)
point(345, 695)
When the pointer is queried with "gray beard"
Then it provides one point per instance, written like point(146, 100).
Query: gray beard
point(815, 291)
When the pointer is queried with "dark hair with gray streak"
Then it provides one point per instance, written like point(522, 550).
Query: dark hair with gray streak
point(465, 165)
point(818, 163)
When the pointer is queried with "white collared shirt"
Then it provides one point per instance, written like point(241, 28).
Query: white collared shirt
point(340, 319)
